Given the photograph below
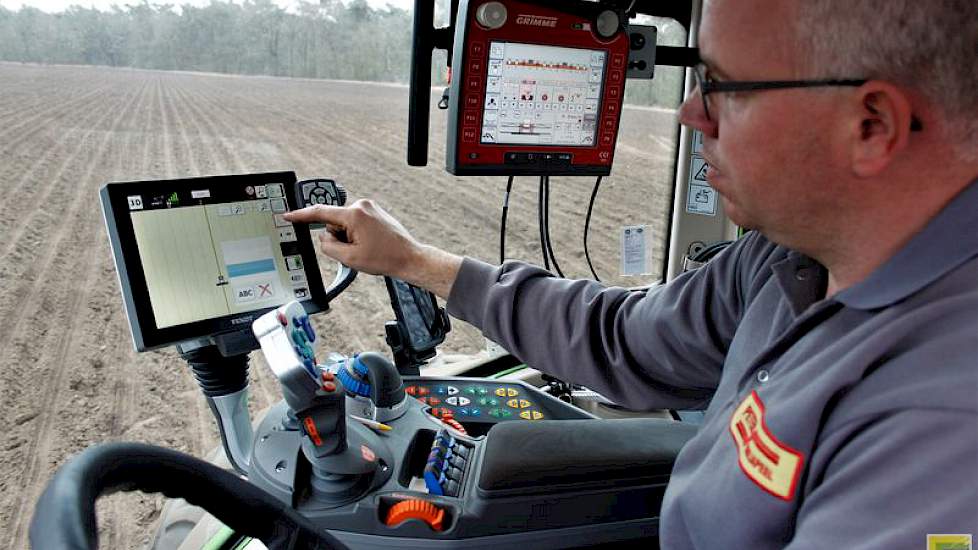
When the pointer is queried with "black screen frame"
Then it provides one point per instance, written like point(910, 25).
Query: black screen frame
point(132, 278)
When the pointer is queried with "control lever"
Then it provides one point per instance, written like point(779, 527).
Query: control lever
point(372, 376)
point(346, 459)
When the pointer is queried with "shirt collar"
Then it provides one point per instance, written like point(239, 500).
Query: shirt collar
point(947, 241)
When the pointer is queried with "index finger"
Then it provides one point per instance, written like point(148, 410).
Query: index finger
point(321, 213)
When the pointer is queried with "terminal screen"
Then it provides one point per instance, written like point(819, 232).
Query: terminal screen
point(210, 256)
point(542, 95)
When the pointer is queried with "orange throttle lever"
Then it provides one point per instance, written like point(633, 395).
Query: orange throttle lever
point(416, 509)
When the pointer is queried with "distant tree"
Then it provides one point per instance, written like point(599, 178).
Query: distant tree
point(318, 39)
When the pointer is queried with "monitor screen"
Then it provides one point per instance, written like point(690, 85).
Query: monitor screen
point(211, 260)
point(542, 95)
point(203, 256)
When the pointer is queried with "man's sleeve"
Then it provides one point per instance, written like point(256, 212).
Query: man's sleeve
point(892, 481)
point(663, 348)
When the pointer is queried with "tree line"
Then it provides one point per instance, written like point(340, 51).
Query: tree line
point(327, 39)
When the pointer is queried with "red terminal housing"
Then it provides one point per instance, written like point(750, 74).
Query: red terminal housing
point(539, 95)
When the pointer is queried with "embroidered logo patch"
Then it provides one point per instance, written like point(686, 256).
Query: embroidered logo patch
point(948, 542)
point(774, 466)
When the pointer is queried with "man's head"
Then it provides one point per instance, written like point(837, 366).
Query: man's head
point(803, 163)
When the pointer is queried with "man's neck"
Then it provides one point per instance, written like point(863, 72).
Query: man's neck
point(867, 242)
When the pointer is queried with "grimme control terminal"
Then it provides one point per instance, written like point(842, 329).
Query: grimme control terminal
point(536, 90)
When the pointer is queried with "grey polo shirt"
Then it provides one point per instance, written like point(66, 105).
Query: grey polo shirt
point(849, 422)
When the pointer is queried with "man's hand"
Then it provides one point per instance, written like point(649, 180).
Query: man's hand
point(366, 238)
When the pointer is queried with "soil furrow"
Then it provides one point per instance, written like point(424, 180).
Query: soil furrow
point(39, 450)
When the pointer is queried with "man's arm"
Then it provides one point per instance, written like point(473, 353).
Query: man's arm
point(664, 348)
point(661, 349)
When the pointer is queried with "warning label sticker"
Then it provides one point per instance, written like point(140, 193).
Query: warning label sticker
point(700, 198)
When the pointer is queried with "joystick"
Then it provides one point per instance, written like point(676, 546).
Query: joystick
point(374, 383)
point(346, 459)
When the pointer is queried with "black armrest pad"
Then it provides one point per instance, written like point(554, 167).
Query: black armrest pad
point(560, 452)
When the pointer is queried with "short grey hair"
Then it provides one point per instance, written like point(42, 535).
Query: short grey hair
point(930, 46)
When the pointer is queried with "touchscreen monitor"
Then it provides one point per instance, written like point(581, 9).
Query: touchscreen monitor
point(198, 257)
point(542, 95)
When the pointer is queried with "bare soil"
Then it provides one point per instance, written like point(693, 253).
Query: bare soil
point(69, 377)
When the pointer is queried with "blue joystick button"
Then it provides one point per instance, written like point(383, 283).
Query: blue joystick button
point(353, 385)
point(311, 334)
point(431, 480)
point(359, 367)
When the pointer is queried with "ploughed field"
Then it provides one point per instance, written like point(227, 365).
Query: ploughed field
point(69, 377)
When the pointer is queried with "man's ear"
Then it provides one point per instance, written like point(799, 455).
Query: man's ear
point(884, 120)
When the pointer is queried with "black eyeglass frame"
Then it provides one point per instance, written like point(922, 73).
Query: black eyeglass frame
point(707, 86)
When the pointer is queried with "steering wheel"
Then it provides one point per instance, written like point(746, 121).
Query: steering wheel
point(65, 513)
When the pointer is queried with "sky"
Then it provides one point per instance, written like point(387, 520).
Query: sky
point(54, 6)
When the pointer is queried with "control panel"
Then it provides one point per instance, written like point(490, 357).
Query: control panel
point(537, 88)
point(478, 401)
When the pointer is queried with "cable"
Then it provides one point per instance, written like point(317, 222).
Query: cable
point(587, 223)
point(546, 225)
point(502, 223)
point(543, 237)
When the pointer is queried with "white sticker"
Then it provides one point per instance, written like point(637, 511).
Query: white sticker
point(700, 198)
point(201, 194)
point(260, 192)
point(135, 202)
point(697, 141)
point(634, 247)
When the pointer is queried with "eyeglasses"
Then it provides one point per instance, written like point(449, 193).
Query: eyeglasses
point(709, 86)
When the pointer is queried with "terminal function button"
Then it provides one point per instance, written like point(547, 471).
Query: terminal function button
point(488, 402)
point(458, 401)
point(531, 415)
point(452, 390)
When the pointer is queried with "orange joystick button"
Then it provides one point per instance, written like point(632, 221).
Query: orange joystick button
point(416, 509)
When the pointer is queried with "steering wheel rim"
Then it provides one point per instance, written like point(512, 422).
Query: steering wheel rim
point(64, 516)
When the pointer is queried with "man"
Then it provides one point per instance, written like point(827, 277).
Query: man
point(836, 346)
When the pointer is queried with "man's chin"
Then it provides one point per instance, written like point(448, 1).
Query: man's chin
point(737, 216)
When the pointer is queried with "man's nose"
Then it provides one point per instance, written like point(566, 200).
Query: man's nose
point(693, 115)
